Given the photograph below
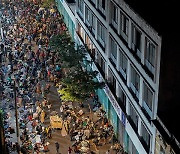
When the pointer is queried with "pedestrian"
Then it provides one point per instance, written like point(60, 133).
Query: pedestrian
point(57, 147)
point(69, 150)
point(50, 133)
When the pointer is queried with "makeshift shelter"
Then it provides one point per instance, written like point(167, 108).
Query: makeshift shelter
point(56, 122)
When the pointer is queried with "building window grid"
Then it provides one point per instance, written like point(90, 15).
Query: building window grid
point(124, 26)
point(122, 96)
point(133, 115)
point(101, 62)
point(87, 16)
point(80, 4)
point(112, 81)
point(123, 64)
point(136, 41)
point(114, 15)
point(113, 50)
point(93, 23)
point(150, 56)
point(90, 19)
point(135, 82)
point(102, 6)
point(148, 99)
point(101, 34)
point(145, 136)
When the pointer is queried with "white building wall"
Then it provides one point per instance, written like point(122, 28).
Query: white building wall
point(69, 10)
point(147, 31)
point(135, 139)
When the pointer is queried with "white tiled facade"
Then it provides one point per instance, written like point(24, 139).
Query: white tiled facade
point(127, 51)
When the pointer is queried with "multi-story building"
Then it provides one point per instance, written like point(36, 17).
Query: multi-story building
point(126, 50)
point(156, 13)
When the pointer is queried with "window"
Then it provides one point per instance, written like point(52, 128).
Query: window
point(123, 64)
point(145, 136)
point(114, 15)
point(90, 19)
point(101, 34)
point(150, 56)
point(102, 6)
point(136, 41)
point(80, 4)
point(122, 96)
point(112, 82)
point(101, 62)
point(93, 23)
point(113, 50)
point(124, 25)
point(148, 99)
point(133, 115)
point(87, 16)
point(135, 82)
point(81, 32)
point(90, 46)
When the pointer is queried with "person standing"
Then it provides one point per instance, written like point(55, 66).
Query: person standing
point(64, 128)
point(57, 147)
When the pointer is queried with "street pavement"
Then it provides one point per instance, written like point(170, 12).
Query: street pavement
point(65, 142)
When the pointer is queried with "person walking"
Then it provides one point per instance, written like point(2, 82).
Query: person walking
point(57, 147)
point(69, 150)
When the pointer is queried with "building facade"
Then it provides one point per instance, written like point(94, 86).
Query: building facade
point(126, 51)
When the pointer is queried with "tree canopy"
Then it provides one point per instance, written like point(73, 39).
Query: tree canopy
point(78, 83)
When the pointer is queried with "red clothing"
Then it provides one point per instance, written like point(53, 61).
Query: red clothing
point(30, 117)
point(69, 150)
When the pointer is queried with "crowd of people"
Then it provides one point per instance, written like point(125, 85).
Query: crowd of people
point(26, 61)
point(28, 69)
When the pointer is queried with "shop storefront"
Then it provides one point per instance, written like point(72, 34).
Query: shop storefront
point(121, 132)
point(113, 117)
point(103, 99)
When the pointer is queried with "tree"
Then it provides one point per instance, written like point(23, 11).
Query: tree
point(63, 45)
point(78, 83)
point(47, 3)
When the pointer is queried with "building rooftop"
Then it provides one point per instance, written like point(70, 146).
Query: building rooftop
point(163, 16)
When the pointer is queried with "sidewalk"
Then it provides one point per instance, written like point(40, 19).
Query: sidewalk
point(65, 142)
